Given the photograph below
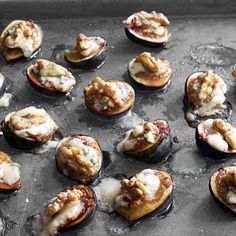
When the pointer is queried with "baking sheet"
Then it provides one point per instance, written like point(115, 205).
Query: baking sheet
point(197, 43)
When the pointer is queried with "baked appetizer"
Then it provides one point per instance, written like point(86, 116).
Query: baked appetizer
point(50, 78)
point(216, 138)
point(148, 29)
point(88, 53)
point(69, 210)
point(150, 142)
point(112, 98)
point(79, 157)
point(28, 128)
point(20, 39)
point(9, 174)
point(223, 188)
point(205, 98)
point(146, 195)
point(147, 72)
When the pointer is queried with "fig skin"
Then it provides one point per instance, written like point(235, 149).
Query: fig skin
point(144, 42)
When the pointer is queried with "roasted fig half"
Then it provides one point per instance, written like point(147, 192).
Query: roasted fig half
point(50, 78)
point(69, 210)
point(149, 142)
point(216, 139)
point(149, 73)
point(205, 98)
point(79, 157)
point(28, 128)
point(223, 188)
point(109, 99)
point(148, 29)
point(9, 174)
point(146, 195)
point(20, 39)
point(88, 53)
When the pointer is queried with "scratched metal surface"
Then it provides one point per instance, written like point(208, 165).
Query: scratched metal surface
point(197, 43)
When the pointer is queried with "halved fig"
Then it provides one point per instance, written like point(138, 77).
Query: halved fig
point(216, 139)
point(109, 99)
point(149, 73)
point(50, 78)
point(146, 195)
point(149, 142)
point(28, 128)
point(223, 188)
point(9, 174)
point(148, 29)
point(79, 157)
point(20, 39)
point(2, 85)
point(69, 210)
point(205, 98)
point(88, 53)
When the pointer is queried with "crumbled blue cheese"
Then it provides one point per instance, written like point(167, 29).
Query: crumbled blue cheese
point(9, 173)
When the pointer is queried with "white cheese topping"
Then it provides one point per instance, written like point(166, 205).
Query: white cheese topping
point(231, 197)
point(9, 173)
point(122, 89)
point(41, 129)
point(106, 192)
point(5, 100)
point(150, 180)
point(214, 138)
point(1, 79)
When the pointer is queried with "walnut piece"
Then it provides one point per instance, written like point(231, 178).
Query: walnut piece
point(104, 93)
point(234, 72)
point(62, 200)
point(200, 90)
point(144, 19)
point(26, 120)
point(230, 178)
point(19, 33)
point(86, 45)
point(226, 130)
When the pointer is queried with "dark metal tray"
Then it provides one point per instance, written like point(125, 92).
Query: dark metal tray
point(203, 37)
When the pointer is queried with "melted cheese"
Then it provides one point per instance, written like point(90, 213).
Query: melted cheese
point(34, 130)
point(217, 142)
point(150, 180)
point(150, 136)
point(9, 173)
point(106, 192)
point(5, 100)
point(60, 83)
point(122, 89)
point(231, 197)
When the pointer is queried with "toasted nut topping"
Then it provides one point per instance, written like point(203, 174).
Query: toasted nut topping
point(102, 91)
point(226, 130)
point(62, 200)
point(230, 178)
point(234, 72)
point(87, 46)
point(200, 90)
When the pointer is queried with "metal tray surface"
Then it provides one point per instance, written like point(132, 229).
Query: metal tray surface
point(197, 43)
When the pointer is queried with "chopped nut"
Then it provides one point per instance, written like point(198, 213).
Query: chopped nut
point(234, 72)
point(230, 178)
point(103, 93)
point(149, 62)
point(226, 130)
point(62, 200)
